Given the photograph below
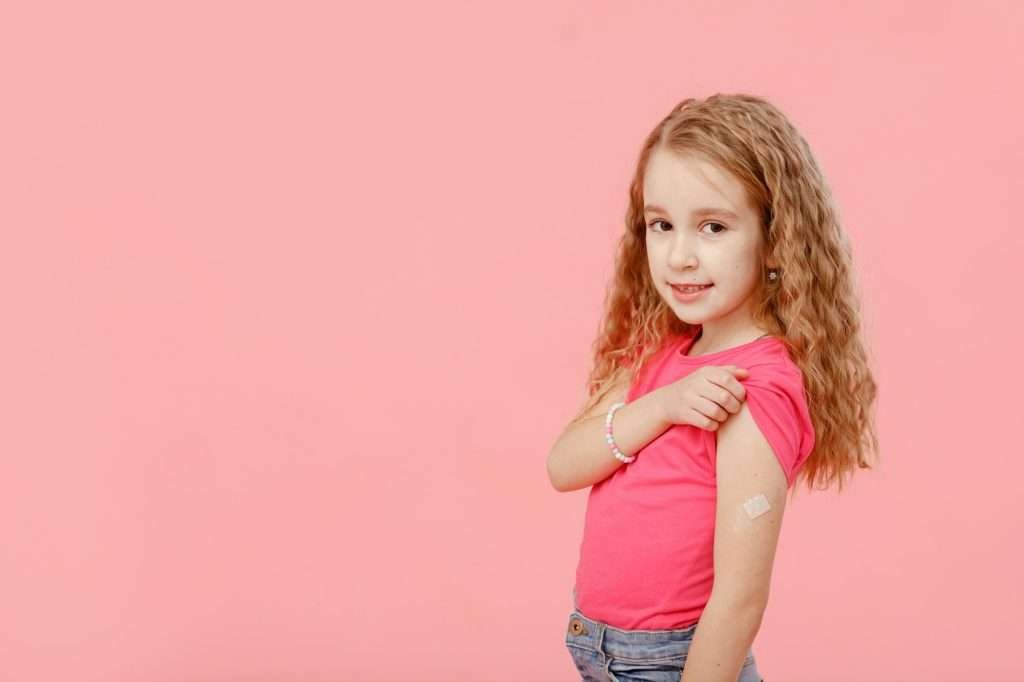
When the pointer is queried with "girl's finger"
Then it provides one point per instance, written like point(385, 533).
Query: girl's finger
point(731, 384)
point(712, 409)
point(703, 421)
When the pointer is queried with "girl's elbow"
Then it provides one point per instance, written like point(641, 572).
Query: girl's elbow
point(556, 482)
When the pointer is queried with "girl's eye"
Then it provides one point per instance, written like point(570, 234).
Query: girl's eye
point(654, 223)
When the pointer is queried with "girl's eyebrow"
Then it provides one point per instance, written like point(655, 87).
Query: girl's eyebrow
point(651, 208)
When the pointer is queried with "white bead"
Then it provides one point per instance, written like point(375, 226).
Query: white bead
point(611, 440)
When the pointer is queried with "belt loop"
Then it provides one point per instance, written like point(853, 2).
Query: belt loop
point(600, 638)
point(607, 657)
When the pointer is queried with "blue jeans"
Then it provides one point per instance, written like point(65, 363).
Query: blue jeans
point(603, 653)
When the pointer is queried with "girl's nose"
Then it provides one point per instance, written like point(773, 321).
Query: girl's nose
point(682, 253)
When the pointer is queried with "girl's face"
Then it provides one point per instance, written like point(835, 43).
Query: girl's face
point(702, 229)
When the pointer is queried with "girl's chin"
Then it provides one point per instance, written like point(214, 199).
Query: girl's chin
point(690, 317)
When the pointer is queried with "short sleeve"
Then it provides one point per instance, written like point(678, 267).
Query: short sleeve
point(776, 399)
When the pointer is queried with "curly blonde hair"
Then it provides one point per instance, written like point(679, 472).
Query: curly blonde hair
point(812, 306)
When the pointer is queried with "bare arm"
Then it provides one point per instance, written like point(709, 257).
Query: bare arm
point(581, 456)
point(750, 504)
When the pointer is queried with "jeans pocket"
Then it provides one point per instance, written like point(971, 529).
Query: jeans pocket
point(589, 664)
point(663, 669)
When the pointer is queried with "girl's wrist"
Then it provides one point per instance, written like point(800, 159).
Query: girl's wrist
point(657, 397)
point(610, 438)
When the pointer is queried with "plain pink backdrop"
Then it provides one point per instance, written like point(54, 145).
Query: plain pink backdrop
point(297, 296)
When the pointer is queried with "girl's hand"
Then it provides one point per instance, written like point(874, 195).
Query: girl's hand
point(704, 398)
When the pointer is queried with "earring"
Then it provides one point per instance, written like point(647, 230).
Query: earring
point(772, 274)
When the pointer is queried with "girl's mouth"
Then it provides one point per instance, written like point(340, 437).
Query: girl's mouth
point(687, 294)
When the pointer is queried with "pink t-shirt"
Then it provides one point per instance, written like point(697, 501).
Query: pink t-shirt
point(646, 559)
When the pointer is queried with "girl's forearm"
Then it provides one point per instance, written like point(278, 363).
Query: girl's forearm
point(724, 634)
point(581, 456)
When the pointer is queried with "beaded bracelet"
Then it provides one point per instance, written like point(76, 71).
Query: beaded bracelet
point(608, 435)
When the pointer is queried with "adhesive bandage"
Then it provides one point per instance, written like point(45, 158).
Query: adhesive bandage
point(756, 506)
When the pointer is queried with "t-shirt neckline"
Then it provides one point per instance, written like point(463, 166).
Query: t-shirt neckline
point(688, 340)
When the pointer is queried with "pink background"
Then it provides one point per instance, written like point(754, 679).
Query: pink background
point(296, 300)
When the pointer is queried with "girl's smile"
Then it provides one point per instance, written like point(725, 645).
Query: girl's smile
point(689, 294)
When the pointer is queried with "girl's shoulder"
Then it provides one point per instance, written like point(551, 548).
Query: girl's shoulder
point(777, 399)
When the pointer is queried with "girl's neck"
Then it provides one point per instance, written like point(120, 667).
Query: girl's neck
point(723, 340)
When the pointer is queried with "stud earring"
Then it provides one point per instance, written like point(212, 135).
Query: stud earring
point(772, 274)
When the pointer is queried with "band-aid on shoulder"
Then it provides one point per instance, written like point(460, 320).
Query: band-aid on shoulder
point(756, 506)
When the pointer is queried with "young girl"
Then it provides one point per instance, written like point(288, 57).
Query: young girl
point(729, 364)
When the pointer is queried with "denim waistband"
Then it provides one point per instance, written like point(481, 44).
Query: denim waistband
point(646, 646)
point(619, 643)
point(626, 644)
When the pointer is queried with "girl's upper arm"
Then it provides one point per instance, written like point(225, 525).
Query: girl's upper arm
point(750, 502)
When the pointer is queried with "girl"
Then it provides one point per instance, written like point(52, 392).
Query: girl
point(729, 363)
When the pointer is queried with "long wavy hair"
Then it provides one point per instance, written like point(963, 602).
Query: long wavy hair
point(812, 306)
